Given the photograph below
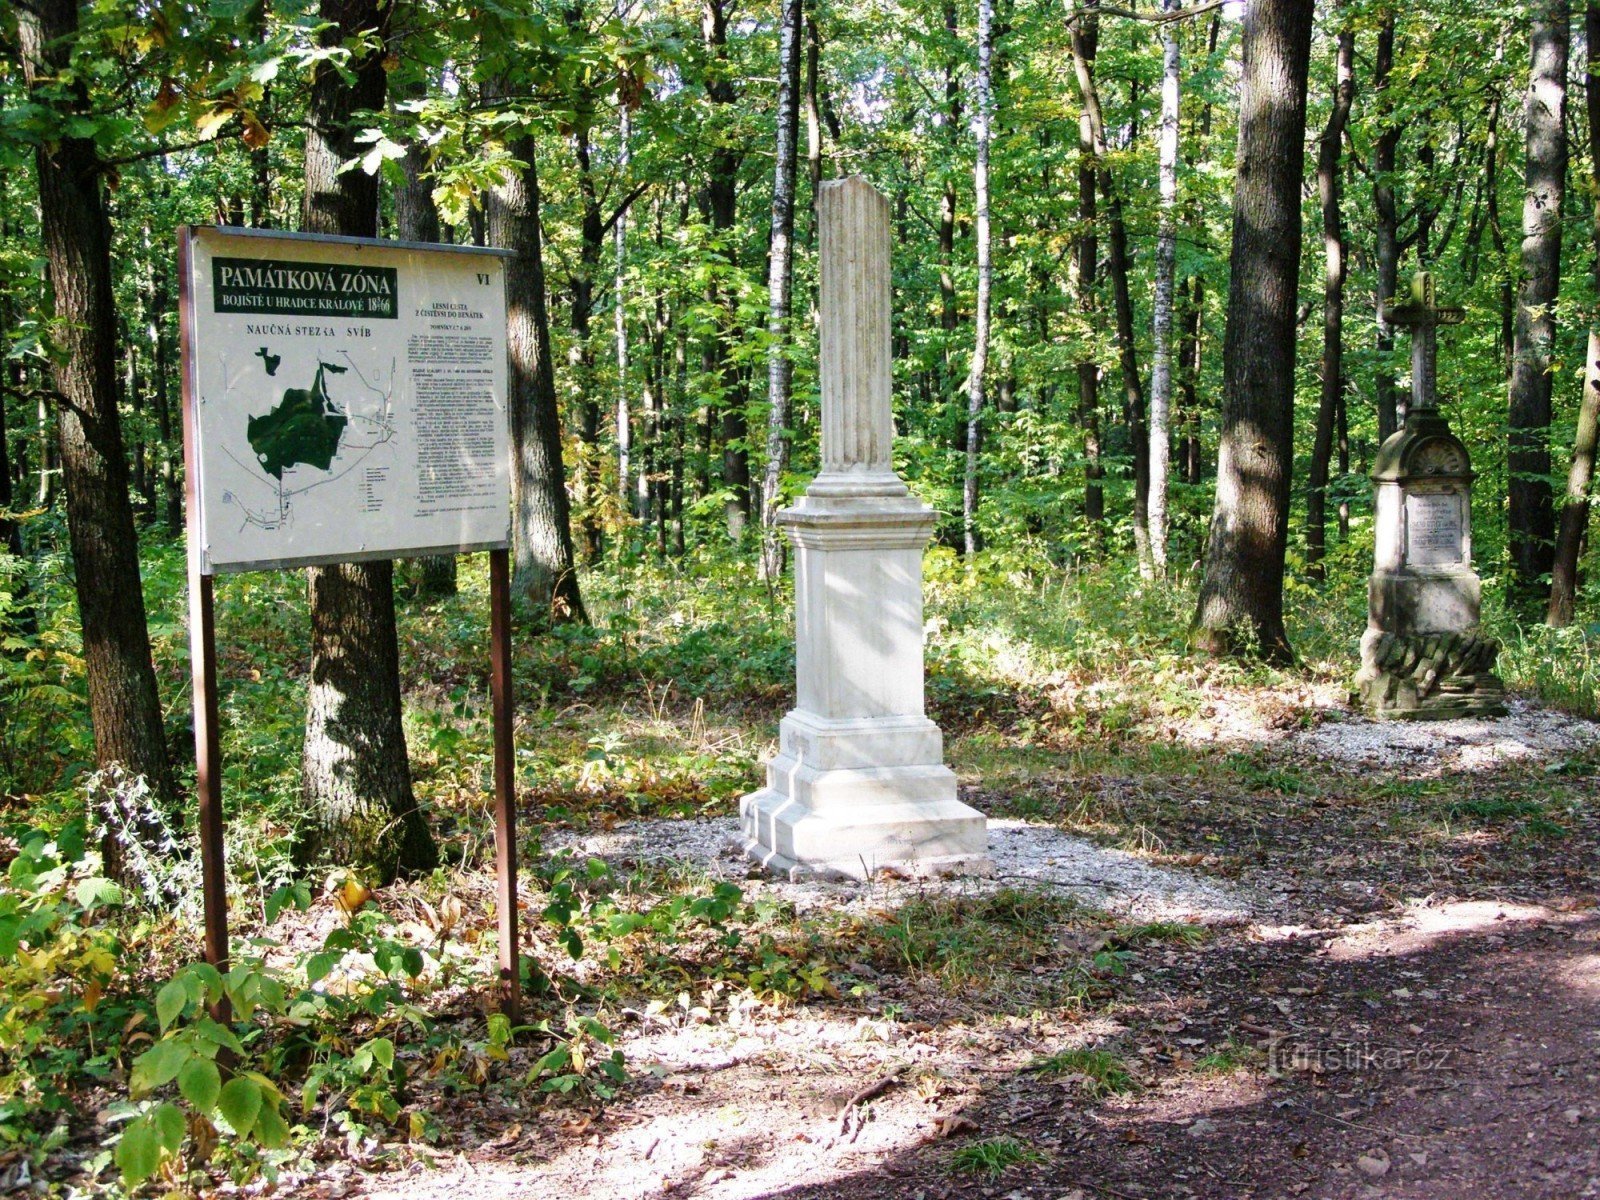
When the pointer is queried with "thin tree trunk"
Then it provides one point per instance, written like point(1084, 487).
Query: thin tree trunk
point(124, 706)
point(1189, 354)
point(580, 356)
point(1240, 608)
point(1122, 301)
point(629, 491)
point(1086, 42)
point(416, 219)
point(722, 191)
point(1333, 277)
point(780, 275)
point(1388, 236)
point(544, 575)
point(982, 120)
point(356, 777)
point(947, 212)
point(1530, 515)
point(1166, 284)
point(813, 118)
point(1580, 472)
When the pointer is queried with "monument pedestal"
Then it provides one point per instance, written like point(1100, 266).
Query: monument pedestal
point(859, 783)
point(1423, 656)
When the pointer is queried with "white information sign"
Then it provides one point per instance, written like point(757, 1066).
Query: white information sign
point(347, 398)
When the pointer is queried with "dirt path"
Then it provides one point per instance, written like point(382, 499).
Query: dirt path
point(1380, 1007)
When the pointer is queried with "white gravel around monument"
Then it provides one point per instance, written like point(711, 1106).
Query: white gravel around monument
point(1525, 734)
point(1025, 855)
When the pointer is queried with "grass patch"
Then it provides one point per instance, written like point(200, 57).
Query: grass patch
point(993, 1156)
point(1099, 1073)
point(1161, 931)
point(1225, 1060)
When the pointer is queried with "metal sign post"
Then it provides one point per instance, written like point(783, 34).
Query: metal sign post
point(399, 446)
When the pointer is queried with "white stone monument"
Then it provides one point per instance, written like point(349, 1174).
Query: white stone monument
point(859, 783)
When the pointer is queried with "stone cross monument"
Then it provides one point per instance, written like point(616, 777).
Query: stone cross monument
point(1422, 655)
point(859, 783)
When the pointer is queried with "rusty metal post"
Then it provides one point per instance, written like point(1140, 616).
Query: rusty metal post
point(505, 780)
point(202, 653)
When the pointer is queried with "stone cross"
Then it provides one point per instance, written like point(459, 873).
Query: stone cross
point(1422, 317)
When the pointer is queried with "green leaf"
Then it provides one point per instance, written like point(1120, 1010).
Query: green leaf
point(200, 1082)
point(138, 1152)
point(240, 1104)
point(319, 964)
point(169, 1126)
point(158, 1065)
point(171, 1000)
point(383, 1051)
point(272, 1131)
point(98, 893)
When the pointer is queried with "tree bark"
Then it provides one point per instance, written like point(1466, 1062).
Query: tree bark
point(580, 356)
point(544, 574)
point(1580, 472)
point(1388, 235)
point(780, 277)
point(1240, 607)
point(124, 706)
point(982, 120)
point(1530, 514)
point(1122, 300)
point(1086, 43)
point(356, 777)
point(1189, 355)
point(1165, 287)
point(416, 219)
point(1333, 277)
point(721, 201)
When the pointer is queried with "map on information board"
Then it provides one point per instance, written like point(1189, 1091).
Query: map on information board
point(348, 400)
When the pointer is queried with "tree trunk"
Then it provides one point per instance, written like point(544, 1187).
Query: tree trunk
point(124, 706)
point(948, 318)
point(1580, 472)
point(1240, 607)
point(416, 219)
point(1086, 42)
point(1166, 285)
point(580, 356)
point(780, 275)
point(630, 492)
point(1388, 235)
point(722, 192)
point(1530, 515)
point(1189, 381)
point(356, 777)
point(1122, 300)
point(544, 572)
point(982, 120)
point(1333, 276)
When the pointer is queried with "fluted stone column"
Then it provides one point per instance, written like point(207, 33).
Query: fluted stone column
point(859, 782)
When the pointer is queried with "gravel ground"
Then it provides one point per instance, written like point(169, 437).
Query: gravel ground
point(1025, 854)
point(1432, 747)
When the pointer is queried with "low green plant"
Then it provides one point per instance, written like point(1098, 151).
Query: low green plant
point(993, 1156)
point(1098, 1073)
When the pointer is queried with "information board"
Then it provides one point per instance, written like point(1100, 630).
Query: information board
point(348, 397)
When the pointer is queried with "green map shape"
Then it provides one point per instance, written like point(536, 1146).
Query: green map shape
point(304, 428)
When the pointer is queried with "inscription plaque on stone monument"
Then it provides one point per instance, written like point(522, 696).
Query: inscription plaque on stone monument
point(1422, 655)
point(1433, 529)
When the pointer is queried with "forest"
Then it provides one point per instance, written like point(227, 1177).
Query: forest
point(1150, 265)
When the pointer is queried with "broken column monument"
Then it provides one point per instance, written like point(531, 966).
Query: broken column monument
point(859, 784)
point(1423, 655)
